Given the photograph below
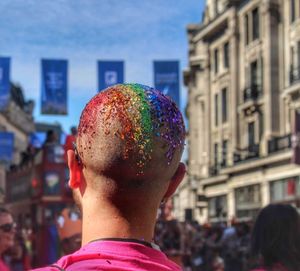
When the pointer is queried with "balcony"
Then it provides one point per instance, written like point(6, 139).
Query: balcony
point(252, 93)
point(294, 75)
point(248, 153)
point(214, 170)
point(279, 143)
point(223, 163)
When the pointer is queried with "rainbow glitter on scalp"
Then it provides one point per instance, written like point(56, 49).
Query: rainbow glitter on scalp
point(144, 114)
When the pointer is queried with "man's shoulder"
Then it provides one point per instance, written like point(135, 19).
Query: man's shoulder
point(60, 265)
point(49, 268)
point(114, 255)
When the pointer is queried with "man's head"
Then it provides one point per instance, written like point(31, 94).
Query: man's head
point(74, 130)
point(7, 230)
point(130, 141)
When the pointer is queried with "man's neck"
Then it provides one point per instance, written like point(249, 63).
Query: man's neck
point(103, 220)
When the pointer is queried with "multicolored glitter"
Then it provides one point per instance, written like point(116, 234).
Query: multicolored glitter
point(144, 114)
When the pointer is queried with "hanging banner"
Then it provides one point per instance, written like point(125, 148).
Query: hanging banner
point(6, 147)
point(4, 82)
point(166, 79)
point(54, 87)
point(110, 73)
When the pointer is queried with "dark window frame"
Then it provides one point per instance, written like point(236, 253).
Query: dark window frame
point(224, 152)
point(216, 61)
point(216, 109)
point(226, 55)
point(255, 24)
point(251, 139)
point(224, 105)
point(292, 11)
point(246, 22)
point(254, 73)
point(216, 150)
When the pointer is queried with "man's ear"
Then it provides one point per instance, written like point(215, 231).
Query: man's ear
point(75, 170)
point(176, 180)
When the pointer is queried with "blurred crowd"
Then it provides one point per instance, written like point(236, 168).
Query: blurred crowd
point(195, 247)
point(205, 247)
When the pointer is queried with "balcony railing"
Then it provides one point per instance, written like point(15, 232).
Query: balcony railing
point(223, 163)
point(279, 143)
point(252, 93)
point(253, 152)
point(243, 155)
point(294, 75)
point(214, 170)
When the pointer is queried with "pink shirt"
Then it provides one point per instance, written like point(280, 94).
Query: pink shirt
point(117, 256)
point(3, 266)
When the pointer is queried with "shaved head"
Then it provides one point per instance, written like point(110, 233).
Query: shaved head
point(132, 134)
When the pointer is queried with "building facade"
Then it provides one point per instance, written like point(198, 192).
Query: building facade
point(243, 83)
point(15, 118)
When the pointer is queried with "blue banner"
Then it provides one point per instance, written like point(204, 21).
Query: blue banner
point(54, 87)
point(110, 73)
point(4, 82)
point(6, 146)
point(166, 79)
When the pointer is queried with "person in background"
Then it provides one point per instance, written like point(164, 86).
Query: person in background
point(69, 230)
point(51, 138)
point(126, 161)
point(217, 263)
point(275, 240)
point(7, 235)
point(19, 256)
point(28, 155)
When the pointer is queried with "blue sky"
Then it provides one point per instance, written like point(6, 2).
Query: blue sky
point(84, 31)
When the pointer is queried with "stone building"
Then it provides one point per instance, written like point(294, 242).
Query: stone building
point(243, 83)
point(16, 118)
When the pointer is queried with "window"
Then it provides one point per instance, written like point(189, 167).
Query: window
point(226, 55)
point(254, 74)
point(224, 153)
point(260, 75)
point(292, 11)
point(216, 7)
point(216, 154)
point(217, 207)
point(246, 29)
point(298, 56)
point(285, 189)
point(247, 195)
point(216, 110)
point(224, 105)
point(292, 71)
point(261, 125)
point(216, 58)
point(292, 57)
point(255, 24)
point(248, 201)
point(251, 135)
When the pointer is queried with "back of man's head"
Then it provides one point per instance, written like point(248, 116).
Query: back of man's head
point(131, 134)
